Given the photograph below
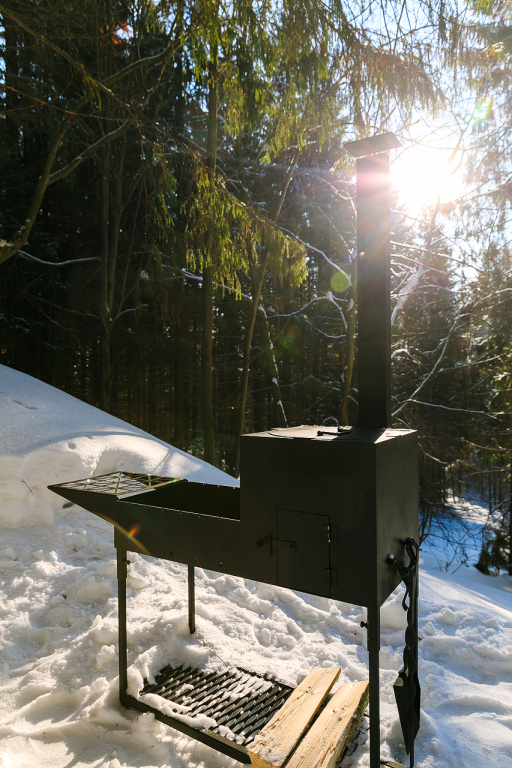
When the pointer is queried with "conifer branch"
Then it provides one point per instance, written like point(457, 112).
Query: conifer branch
point(91, 150)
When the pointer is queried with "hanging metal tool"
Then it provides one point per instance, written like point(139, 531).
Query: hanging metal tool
point(407, 686)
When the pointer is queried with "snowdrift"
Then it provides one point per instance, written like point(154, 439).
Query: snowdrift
point(49, 437)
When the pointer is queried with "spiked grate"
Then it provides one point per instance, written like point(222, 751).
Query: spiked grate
point(120, 483)
point(240, 702)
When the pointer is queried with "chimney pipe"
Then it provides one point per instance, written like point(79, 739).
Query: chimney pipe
point(373, 279)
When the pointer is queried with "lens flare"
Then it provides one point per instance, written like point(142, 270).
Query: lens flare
point(136, 528)
point(482, 111)
point(424, 173)
point(340, 281)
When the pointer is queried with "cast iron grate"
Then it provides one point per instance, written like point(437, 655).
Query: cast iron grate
point(356, 744)
point(120, 483)
point(240, 702)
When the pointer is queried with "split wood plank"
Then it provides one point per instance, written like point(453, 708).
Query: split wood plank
point(392, 764)
point(276, 741)
point(326, 740)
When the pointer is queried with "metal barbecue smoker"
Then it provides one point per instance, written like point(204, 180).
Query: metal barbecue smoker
point(327, 511)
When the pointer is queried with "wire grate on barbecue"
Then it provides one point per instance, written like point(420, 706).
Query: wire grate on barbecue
point(352, 754)
point(240, 702)
point(120, 483)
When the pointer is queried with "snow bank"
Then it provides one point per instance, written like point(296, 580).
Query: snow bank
point(58, 618)
point(49, 437)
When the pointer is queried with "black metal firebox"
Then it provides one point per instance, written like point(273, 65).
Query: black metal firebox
point(329, 511)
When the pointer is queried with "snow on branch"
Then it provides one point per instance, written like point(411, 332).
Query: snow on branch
point(91, 150)
point(321, 253)
point(57, 263)
point(435, 367)
point(409, 287)
point(199, 279)
point(327, 297)
point(403, 351)
point(449, 408)
point(417, 263)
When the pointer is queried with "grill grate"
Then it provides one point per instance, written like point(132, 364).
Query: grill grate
point(240, 702)
point(120, 483)
point(352, 754)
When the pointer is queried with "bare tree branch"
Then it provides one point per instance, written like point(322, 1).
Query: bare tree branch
point(91, 150)
point(57, 263)
point(434, 368)
point(448, 408)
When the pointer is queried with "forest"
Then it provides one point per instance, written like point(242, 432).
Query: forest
point(177, 222)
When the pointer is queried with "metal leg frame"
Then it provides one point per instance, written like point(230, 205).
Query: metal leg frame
point(130, 701)
point(373, 653)
point(122, 572)
point(414, 654)
point(191, 600)
point(211, 739)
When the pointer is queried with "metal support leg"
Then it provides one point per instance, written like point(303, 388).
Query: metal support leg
point(414, 601)
point(122, 572)
point(191, 600)
point(373, 653)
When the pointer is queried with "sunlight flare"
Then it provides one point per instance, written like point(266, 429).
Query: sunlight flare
point(421, 174)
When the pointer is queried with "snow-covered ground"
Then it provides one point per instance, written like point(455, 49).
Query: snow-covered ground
point(58, 616)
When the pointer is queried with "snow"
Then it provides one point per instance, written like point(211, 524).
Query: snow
point(58, 617)
point(48, 437)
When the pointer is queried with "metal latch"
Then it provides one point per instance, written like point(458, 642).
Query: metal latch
point(276, 543)
point(330, 576)
point(330, 533)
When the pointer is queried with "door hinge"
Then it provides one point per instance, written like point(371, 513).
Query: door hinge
point(330, 576)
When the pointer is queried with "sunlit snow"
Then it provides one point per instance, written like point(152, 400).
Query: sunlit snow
point(58, 617)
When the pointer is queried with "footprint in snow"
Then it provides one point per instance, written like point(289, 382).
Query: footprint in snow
point(24, 405)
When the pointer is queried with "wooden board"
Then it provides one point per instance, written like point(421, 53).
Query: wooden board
point(392, 764)
point(326, 740)
point(277, 740)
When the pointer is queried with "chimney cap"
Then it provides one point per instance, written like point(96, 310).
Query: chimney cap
point(373, 144)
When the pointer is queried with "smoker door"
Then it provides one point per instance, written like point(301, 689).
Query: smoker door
point(305, 566)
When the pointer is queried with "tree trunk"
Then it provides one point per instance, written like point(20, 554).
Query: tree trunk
point(510, 523)
point(206, 368)
point(179, 359)
point(11, 94)
point(350, 353)
point(207, 343)
point(257, 286)
point(272, 369)
point(105, 308)
point(179, 340)
point(256, 293)
point(111, 210)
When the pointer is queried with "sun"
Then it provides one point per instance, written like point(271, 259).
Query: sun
point(420, 174)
